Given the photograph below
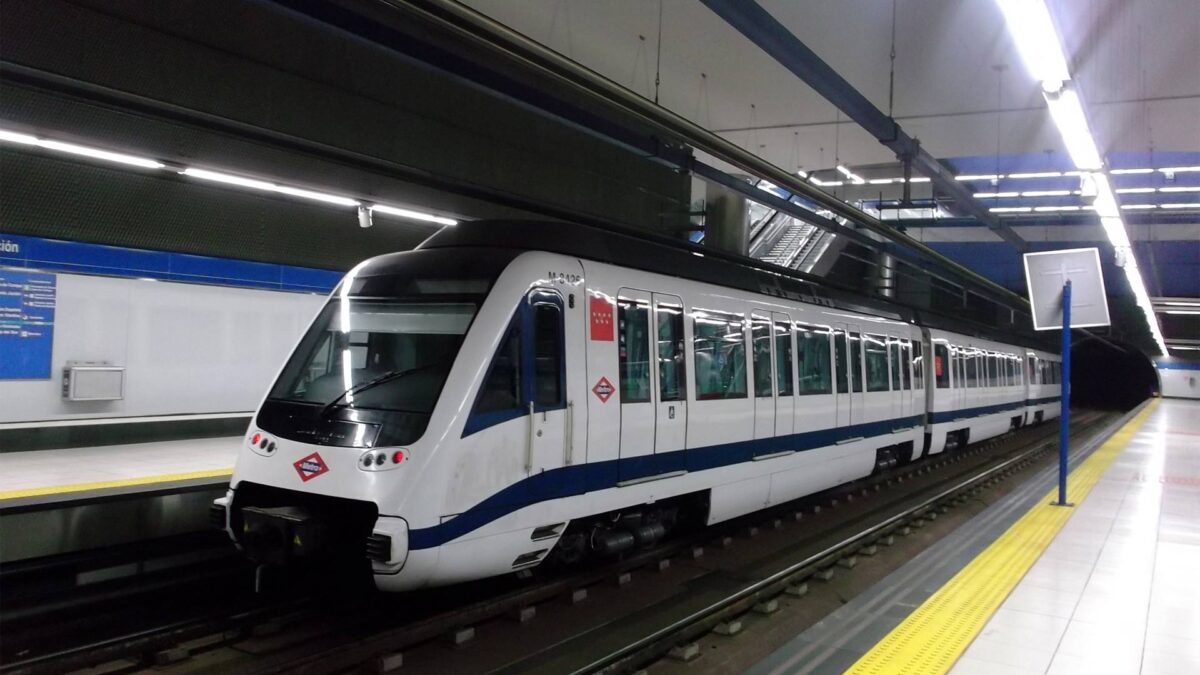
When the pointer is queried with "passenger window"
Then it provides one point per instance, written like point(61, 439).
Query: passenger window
point(905, 365)
point(547, 356)
point(918, 363)
point(841, 360)
point(762, 356)
point(856, 360)
point(633, 331)
point(719, 346)
point(941, 366)
point(877, 362)
point(502, 388)
point(783, 359)
point(812, 359)
point(672, 374)
point(894, 360)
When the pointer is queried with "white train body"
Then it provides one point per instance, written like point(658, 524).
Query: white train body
point(574, 391)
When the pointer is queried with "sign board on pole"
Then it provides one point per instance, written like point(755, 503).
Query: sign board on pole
point(1047, 272)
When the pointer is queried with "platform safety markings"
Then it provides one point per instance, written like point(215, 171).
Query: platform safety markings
point(109, 484)
point(936, 634)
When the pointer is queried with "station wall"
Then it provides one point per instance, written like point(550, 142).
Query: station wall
point(187, 348)
point(1179, 379)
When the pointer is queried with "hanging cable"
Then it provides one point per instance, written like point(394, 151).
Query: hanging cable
point(658, 58)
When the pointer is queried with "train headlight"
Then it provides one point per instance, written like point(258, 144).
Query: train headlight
point(378, 460)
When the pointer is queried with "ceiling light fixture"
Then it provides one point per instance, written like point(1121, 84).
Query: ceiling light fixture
point(995, 195)
point(1067, 112)
point(1180, 206)
point(1038, 174)
point(1032, 29)
point(414, 215)
point(1010, 209)
point(1138, 207)
point(1190, 188)
point(991, 176)
point(1046, 193)
point(80, 150)
point(854, 178)
point(1134, 191)
point(266, 186)
point(1130, 171)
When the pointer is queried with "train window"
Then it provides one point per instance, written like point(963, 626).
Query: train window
point(972, 364)
point(783, 359)
point(719, 347)
point(941, 366)
point(841, 360)
point(672, 373)
point(761, 334)
point(547, 356)
point(856, 361)
point(894, 360)
point(990, 361)
point(633, 336)
point(906, 365)
point(918, 363)
point(502, 389)
point(875, 347)
point(812, 358)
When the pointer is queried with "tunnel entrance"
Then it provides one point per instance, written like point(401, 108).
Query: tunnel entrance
point(1107, 378)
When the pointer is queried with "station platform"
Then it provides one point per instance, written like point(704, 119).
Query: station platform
point(71, 500)
point(1106, 586)
point(70, 473)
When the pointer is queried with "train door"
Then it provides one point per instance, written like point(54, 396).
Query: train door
point(785, 374)
point(763, 350)
point(841, 379)
point(857, 400)
point(550, 324)
point(670, 419)
point(635, 386)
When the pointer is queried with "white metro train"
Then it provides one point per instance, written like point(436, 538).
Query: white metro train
point(514, 392)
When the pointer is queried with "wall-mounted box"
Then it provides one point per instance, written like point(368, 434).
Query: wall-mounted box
point(93, 382)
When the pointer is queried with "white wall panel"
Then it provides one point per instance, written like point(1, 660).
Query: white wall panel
point(1180, 383)
point(187, 348)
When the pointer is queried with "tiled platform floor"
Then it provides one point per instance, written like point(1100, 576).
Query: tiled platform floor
point(74, 466)
point(1118, 591)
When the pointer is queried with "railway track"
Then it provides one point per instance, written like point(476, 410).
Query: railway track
point(307, 631)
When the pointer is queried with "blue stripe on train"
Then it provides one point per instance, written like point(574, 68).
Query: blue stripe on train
point(579, 479)
point(575, 480)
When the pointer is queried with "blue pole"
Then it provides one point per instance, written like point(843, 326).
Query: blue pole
point(1065, 382)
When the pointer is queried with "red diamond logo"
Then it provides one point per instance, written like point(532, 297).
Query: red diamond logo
point(310, 467)
point(603, 390)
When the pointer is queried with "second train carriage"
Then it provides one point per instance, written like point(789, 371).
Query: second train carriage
point(509, 392)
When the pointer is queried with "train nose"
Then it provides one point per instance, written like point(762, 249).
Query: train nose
point(279, 535)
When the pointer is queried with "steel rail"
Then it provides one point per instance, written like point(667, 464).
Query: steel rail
point(670, 634)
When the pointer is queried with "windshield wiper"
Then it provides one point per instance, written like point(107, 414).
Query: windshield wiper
point(375, 382)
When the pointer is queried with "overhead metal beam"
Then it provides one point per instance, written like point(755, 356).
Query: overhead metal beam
point(757, 24)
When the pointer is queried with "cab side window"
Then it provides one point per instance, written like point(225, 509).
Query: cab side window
point(501, 390)
point(547, 356)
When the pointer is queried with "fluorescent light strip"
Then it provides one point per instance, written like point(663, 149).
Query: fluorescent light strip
point(1032, 29)
point(1192, 188)
point(266, 186)
point(1038, 174)
point(1134, 191)
point(992, 176)
point(1115, 229)
point(1138, 207)
point(1121, 172)
point(1010, 209)
point(1180, 169)
point(854, 178)
point(1180, 311)
point(882, 181)
point(1056, 208)
point(414, 215)
point(1046, 193)
point(996, 195)
point(80, 150)
point(1179, 206)
point(921, 179)
point(1067, 112)
point(1105, 203)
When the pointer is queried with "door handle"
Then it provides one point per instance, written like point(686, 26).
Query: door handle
point(529, 442)
point(569, 444)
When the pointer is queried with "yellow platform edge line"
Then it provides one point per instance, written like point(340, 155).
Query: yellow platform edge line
point(936, 634)
point(106, 484)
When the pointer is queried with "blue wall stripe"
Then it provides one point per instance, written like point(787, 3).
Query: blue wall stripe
point(1177, 365)
point(581, 478)
point(78, 257)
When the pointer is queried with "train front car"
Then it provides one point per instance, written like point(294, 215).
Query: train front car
point(340, 464)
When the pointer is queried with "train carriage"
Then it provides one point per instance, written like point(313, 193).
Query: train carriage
point(508, 393)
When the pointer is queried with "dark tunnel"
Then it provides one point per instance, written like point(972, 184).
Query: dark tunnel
point(1112, 376)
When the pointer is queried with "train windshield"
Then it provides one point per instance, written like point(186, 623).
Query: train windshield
point(376, 354)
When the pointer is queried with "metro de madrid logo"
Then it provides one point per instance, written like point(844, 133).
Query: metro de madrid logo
point(310, 467)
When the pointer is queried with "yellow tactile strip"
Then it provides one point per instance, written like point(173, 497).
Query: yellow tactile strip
point(103, 485)
point(932, 638)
